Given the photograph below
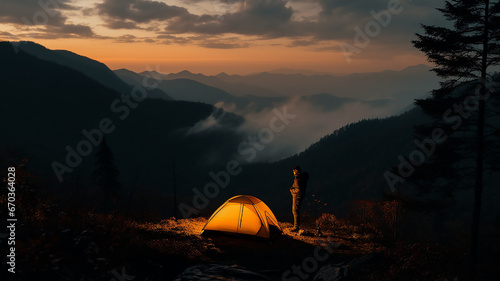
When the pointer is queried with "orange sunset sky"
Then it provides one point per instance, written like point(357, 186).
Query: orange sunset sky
point(232, 36)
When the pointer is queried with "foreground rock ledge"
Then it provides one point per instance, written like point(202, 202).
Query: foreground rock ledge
point(206, 272)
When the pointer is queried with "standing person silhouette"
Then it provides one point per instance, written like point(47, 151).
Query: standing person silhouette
point(298, 191)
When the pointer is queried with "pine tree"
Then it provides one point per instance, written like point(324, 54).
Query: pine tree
point(465, 106)
point(105, 174)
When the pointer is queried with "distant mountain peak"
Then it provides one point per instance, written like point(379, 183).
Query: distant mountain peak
point(307, 72)
point(150, 72)
point(184, 72)
point(222, 74)
point(123, 70)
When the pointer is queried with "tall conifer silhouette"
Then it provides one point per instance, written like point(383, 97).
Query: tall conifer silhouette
point(462, 107)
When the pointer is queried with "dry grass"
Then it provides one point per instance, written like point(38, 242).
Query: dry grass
point(180, 226)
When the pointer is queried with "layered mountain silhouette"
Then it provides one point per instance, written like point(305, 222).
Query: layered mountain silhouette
point(54, 114)
point(193, 90)
point(219, 81)
point(91, 68)
point(180, 89)
point(411, 82)
point(196, 87)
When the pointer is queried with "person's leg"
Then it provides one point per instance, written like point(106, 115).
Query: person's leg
point(296, 212)
point(299, 201)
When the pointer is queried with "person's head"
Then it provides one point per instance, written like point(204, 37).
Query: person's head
point(296, 170)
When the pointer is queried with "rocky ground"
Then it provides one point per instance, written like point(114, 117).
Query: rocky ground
point(107, 247)
point(304, 255)
point(345, 253)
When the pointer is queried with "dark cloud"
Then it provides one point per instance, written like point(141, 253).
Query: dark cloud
point(231, 1)
point(172, 39)
point(328, 6)
point(138, 11)
point(76, 30)
point(46, 14)
point(28, 12)
point(302, 43)
point(6, 34)
point(128, 38)
point(335, 7)
point(267, 18)
point(336, 20)
point(203, 40)
point(121, 24)
point(339, 19)
point(216, 44)
point(65, 31)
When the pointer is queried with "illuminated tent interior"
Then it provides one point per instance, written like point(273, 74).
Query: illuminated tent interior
point(243, 214)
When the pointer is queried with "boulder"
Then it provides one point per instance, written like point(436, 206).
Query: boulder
point(332, 272)
point(337, 272)
point(208, 272)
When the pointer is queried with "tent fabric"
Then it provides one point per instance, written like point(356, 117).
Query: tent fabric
point(243, 214)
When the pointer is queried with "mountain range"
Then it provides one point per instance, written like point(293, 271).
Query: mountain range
point(411, 82)
point(253, 93)
point(46, 118)
point(89, 67)
point(53, 115)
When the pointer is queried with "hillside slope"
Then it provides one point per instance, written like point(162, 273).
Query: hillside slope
point(96, 70)
point(46, 119)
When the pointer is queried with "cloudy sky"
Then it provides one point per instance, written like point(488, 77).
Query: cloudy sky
point(234, 36)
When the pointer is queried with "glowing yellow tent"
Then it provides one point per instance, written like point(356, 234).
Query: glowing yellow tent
point(243, 214)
